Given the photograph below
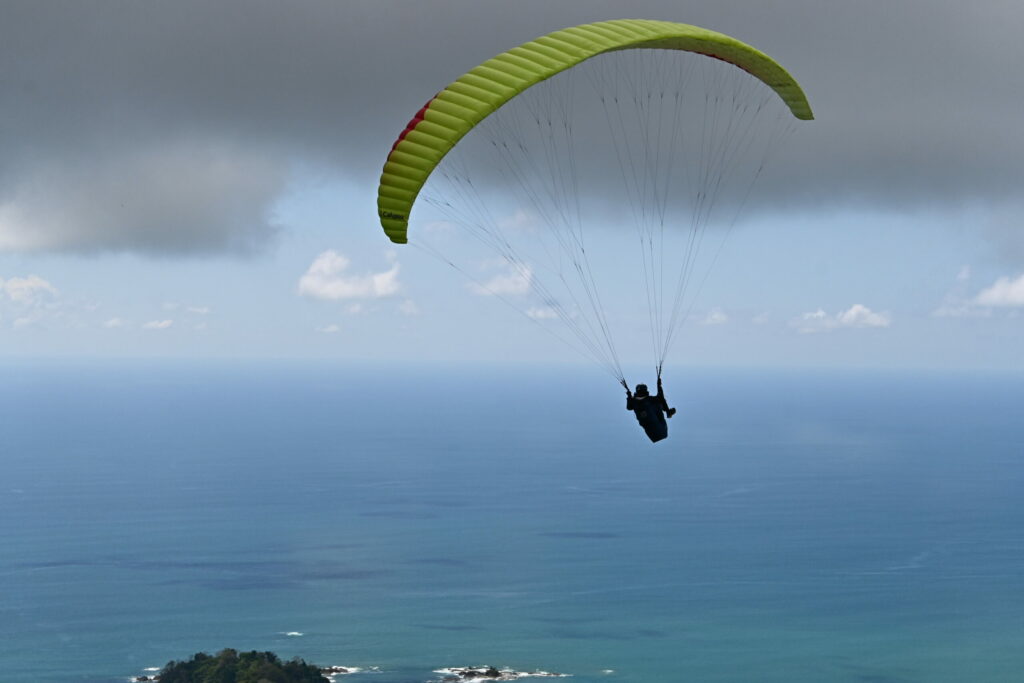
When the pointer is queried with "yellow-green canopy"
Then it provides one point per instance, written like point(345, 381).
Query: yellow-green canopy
point(453, 112)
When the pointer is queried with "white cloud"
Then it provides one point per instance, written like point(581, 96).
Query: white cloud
point(857, 316)
point(1005, 292)
point(761, 318)
point(815, 321)
point(409, 307)
point(198, 310)
point(325, 279)
point(30, 300)
point(114, 323)
point(544, 313)
point(354, 308)
point(27, 290)
point(515, 280)
point(716, 316)
point(957, 303)
point(329, 329)
point(157, 324)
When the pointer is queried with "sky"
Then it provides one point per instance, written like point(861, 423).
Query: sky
point(198, 180)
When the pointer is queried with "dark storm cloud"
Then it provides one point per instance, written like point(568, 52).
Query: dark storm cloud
point(174, 126)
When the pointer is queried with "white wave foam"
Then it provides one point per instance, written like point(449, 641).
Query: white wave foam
point(482, 674)
point(332, 672)
point(916, 562)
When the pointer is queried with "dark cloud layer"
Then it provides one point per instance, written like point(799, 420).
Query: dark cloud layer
point(173, 127)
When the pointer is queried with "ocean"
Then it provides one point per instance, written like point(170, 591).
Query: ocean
point(795, 527)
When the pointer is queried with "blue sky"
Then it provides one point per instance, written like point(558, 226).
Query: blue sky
point(148, 208)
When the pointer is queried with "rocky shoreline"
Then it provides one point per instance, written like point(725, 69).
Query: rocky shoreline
point(330, 672)
point(458, 674)
point(469, 674)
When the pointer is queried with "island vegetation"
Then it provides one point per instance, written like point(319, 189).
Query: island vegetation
point(231, 666)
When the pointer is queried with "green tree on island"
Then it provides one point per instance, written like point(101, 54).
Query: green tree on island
point(230, 666)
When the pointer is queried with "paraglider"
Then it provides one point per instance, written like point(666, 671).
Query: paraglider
point(650, 411)
point(509, 152)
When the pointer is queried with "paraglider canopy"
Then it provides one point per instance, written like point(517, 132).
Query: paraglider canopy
point(450, 114)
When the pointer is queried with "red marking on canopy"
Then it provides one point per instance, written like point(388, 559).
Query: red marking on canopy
point(414, 122)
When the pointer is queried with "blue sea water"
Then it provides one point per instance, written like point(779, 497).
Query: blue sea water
point(794, 528)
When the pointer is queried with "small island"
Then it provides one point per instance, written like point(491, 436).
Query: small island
point(232, 666)
point(241, 667)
